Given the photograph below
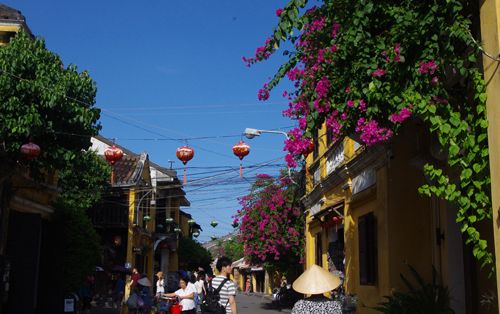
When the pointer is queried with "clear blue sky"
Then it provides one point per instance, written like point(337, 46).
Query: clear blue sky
point(173, 69)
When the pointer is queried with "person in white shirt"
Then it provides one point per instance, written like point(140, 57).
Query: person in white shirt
point(186, 296)
point(160, 289)
point(200, 284)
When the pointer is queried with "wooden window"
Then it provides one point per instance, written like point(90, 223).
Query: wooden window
point(329, 136)
point(319, 249)
point(316, 147)
point(367, 234)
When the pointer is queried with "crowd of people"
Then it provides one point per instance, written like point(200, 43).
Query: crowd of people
point(147, 297)
point(144, 296)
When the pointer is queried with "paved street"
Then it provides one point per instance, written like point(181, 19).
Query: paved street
point(256, 304)
point(247, 304)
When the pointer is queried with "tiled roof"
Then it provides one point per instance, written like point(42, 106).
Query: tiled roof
point(128, 170)
point(10, 14)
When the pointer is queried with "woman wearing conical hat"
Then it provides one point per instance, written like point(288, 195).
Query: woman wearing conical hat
point(315, 281)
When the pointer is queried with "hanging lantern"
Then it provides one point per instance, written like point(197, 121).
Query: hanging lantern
point(213, 238)
point(191, 222)
point(112, 155)
point(147, 218)
point(185, 154)
point(169, 220)
point(235, 224)
point(196, 234)
point(214, 223)
point(30, 150)
point(241, 150)
point(177, 230)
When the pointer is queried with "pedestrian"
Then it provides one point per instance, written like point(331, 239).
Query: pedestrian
point(200, 285)
point(186, 296)
point(118, 291)
point(160, 287)
point(228, 291)
point(248, 285)
point(144, 288)
point(315, 281)
point(135, 276)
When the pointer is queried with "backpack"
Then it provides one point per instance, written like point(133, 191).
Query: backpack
point(210, 303)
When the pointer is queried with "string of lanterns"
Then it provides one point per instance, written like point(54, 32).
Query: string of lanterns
point(186, 153)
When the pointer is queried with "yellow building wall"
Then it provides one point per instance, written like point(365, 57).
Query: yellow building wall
point(5, 30)
point(490, 41)
point(130, 236)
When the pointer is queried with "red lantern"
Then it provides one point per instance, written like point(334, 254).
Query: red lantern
point(241, 150)
point(185, 154)
point(112, 155)
point(30, 150)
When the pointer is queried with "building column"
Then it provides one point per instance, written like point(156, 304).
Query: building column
point(490, 26)
point(130, 236)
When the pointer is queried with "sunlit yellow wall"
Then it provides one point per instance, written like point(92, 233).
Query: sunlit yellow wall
point(5, 31)
point(130, 235)
point(490, 40)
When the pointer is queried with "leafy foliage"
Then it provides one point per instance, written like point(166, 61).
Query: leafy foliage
point(423, 298)
point(79, 245)
point(272, 223)
point(192, 254)
point(367, 66)
point(233, 249)
point(42, 100)
point(53, 105)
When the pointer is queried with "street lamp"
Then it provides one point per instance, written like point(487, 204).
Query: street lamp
point(137, 207)
point(251, 133)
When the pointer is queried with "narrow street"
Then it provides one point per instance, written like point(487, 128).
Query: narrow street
point(247, 304)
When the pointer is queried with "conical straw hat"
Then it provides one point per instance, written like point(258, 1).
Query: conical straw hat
point(316, 280)
point(144, 282)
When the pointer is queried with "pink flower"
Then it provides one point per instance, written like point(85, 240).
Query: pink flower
point(397, 52)
point(278, 12)
point(401, 116)
point(350, 103)
point(362, 105)
point(378, 73)
point(427, 67)
point(263, 93)
point(371, 133)
point(335, 29)
point(322, 87)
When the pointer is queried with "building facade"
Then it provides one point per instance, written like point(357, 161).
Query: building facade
point(367, 222)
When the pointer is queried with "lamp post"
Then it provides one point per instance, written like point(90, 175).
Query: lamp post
point(251, 133)
point(138, 204)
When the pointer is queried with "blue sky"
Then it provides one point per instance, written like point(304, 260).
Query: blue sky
point(172, 70)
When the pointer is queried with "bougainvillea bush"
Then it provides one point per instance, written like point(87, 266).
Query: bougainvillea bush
point(271, 223)
point(365, 67)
